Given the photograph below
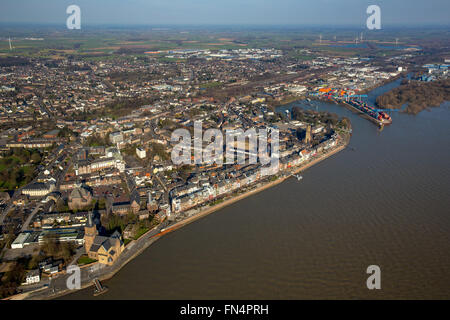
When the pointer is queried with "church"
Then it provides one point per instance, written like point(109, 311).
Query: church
point(105, 250)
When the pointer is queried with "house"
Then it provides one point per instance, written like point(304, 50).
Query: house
point(121, 208)
point(33, 277)
point(51, 134)
point(130, 231)
point(135, 200)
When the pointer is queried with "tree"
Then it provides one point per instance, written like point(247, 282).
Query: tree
point(66, 251)
point(61, 205)
point(36, 157)
point(51, 244)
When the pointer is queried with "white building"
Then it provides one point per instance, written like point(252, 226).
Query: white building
point(297, 89)
point(38, 189)
point(116, 137)
point(33, 277)
point(19, 242)
point(141, 153)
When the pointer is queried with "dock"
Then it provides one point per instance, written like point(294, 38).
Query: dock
point(98, 287)
point(364, 115)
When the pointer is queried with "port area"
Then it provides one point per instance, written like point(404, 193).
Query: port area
point(377, 116)
point(367, 112)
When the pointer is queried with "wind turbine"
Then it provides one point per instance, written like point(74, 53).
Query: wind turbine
point(10, 46)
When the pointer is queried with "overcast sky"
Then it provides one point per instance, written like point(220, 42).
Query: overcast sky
point(228, 12)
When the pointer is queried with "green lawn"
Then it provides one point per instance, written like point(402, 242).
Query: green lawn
point(140, 232)
point(84, 259)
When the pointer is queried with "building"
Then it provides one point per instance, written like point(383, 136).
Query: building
point(79, 198)
point(86, 167)
point(307, 135)
point(152, 205)
point(19, 242)
point(130, 231)
point(38, 189)
point(135, 202)
point(82, 154)
point(143, 214)
point(141, 153)
point(63, 235)
point(51, 134)
point(116, 137)
point(106, 250)
point(33, 277)
point(32, 143)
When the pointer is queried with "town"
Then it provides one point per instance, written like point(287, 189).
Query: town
point(86, 168)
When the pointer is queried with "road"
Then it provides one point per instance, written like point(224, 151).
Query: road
point(30, 217)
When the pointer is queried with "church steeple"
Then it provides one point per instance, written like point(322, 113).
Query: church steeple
point(90, 232)
point(90, 219)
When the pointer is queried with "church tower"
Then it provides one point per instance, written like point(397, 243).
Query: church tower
point(307, 135)
point(90, 232)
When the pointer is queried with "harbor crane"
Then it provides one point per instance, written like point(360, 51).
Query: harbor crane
point(355, 96)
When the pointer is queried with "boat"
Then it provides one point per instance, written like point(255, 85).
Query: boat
point(299, 177)
point(380, 116)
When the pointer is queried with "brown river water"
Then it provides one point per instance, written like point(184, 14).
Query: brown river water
point(385, 200)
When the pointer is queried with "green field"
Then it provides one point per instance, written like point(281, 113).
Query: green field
point(17, 168)
point(104, 43)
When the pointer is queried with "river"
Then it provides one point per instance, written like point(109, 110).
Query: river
point(385, 200)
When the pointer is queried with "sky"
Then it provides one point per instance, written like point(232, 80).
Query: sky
point(227, 12)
